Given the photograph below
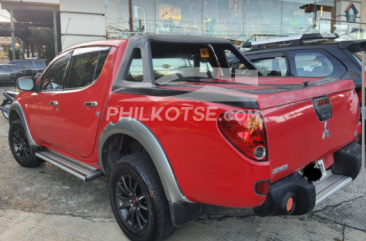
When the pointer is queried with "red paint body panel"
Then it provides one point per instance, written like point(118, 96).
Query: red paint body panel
point(295, 133)
point(40, 105)
point(207, 166)
point(78, 124)
point(205, 163)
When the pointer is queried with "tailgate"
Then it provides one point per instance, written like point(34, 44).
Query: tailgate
point(297, 136)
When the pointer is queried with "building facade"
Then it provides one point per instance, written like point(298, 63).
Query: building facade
point(238, 20)
point(363, 14)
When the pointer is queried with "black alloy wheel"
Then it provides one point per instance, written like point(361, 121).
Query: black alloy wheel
point(20, 147)
point(138, 199)
point(20, 144)
point(131, 203)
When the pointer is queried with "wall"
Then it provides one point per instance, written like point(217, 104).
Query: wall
point(363, 13)
point(82, 21)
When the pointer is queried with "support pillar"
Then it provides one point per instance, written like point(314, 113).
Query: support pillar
point(55, 32)
point(363, 117)
point(22, 50)
point(12, 29)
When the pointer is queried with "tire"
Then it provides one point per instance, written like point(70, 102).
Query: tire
point(20, 148)
point(137, 195)
point(7, 105)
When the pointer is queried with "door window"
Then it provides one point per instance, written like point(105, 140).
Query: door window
point(26, 64)
point(14, 62)
point(86, 66)
point(3, 70)
point(272, 67)
point(14, 68)
point(54, 78)
point(315, 63)
point(40, 64)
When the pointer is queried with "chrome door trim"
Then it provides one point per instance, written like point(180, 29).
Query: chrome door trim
point(53, 103)
point(91, 104)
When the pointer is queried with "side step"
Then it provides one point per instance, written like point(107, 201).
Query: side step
point(80, 170)
point(330, 184)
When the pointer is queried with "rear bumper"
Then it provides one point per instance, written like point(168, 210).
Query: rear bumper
point(347, 165)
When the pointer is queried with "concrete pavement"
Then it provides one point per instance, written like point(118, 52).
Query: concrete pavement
point(46, 203)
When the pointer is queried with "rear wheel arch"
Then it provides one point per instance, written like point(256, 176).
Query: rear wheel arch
point(131, 128)
point(117, 146)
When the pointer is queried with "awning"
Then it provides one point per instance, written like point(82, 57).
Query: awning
point(33, 13)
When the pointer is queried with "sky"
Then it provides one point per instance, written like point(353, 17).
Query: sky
point(4, 15)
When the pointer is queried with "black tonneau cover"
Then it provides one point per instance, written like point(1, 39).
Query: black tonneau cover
point(228, 96)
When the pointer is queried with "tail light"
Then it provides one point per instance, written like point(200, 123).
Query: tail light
point(246, 132)
point(360, 96)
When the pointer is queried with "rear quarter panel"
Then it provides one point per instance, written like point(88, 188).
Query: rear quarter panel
point(207, 167)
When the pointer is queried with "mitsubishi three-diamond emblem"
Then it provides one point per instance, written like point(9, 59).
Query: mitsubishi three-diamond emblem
point(326, 131)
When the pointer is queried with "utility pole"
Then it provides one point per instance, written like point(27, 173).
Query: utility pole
point(12, 33)
point(22, 49)
point(130, 15)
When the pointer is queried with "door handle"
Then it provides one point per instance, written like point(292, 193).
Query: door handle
point(91, 104)
point(53, 103)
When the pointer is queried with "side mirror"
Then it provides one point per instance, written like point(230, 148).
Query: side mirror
point(26, 84)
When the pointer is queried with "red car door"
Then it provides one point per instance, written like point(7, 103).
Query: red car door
point(81, 102)
point(42, 106)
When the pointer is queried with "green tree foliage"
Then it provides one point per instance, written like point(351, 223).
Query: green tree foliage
point(10, 54)
point(43, 41)
point(166, 67)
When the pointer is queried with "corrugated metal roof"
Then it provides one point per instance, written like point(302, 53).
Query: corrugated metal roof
point(33, 13)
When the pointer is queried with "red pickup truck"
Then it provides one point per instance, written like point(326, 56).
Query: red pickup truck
point(174, 127)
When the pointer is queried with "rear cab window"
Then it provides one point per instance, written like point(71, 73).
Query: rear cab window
point(191, 62)
point(178, 62)
point(315, 63)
